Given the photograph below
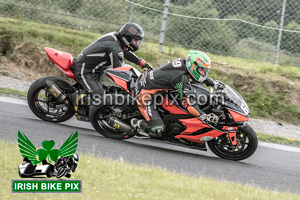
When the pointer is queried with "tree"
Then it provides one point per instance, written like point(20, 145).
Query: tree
point(208, 35)
point(291, 41)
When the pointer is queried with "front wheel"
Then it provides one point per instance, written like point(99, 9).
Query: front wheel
point(246, 145)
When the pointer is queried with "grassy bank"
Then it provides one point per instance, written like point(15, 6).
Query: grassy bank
point(12, 91)
point(107, 179)
point(278, 139)
point(271, 91)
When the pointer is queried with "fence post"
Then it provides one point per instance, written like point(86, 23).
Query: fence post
point(130, 11)
point(163, 26)
point(280, 32)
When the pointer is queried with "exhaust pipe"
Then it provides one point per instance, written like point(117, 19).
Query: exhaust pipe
point(57, 92)
point(121, 126)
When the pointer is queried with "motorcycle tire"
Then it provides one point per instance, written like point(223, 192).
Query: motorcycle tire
point(109, 108)
point(61, 172)
point(39, 109)
point(245, 136)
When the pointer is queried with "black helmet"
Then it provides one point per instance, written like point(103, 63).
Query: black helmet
point(131, 36)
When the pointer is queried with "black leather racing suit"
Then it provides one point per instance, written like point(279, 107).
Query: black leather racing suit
point(106, 51)
point(173, 75)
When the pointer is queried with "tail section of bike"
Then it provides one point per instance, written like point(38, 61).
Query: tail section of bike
point(64, 61)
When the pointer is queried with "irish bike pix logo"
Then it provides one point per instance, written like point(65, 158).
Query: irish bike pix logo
point(47, 162)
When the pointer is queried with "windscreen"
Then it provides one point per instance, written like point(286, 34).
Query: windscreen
point(236, 98)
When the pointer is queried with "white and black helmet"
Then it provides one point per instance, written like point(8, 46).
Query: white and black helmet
point(75, 157)
point(131, 36)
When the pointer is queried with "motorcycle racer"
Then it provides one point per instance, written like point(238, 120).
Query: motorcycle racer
point(65, 165)
point(108, 51)
point(174, 75)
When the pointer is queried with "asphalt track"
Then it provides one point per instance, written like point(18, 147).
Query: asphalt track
point(273, 167)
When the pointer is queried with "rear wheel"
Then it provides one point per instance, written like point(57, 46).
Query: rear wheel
point(44, 105)
point(246, 145)
point(100, 113)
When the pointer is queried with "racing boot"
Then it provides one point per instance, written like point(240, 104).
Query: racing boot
point(140, 126)
point(156, 132)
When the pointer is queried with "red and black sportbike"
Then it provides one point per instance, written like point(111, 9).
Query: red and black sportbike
point(230, 138)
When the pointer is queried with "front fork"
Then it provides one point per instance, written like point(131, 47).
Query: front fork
point(231, 137)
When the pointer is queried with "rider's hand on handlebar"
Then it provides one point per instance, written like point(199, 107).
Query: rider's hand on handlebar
point(218, 85)
point(147, 66)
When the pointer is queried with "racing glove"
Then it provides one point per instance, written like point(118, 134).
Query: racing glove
point(145, 65)
point(218, 85)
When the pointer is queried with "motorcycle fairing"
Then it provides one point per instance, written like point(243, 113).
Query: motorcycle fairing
point(122, 76)
point(237, 116)
point(229, 128)
point(194, 124)
point(126, 67)
point(200, 88)
point(169, 106)
point(234, 107)
point(125, 73)
point(119, 81)
point(62, 60)
point(201, 138)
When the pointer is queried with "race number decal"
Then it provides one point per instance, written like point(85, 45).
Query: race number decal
point(177, 63)
point(245, 108)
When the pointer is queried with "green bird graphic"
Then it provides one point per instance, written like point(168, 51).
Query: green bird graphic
point(28, 150)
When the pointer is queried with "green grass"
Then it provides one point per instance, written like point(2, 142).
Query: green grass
point(57, 36)
point(259, 68)
point(278, 139)
point(77, 40)
point(109, 179)
point(12, 91)
point(266, 104)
